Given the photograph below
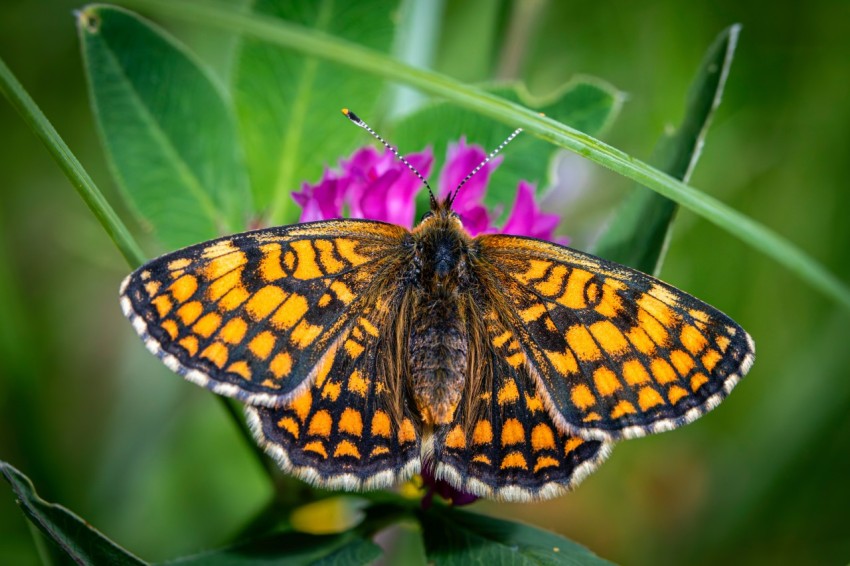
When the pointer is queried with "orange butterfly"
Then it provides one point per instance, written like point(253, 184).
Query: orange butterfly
point(366, 351)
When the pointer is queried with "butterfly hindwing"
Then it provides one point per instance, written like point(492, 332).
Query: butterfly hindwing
point(251, 316)
point(616, 352)
point(507, 447)
point(344, 432)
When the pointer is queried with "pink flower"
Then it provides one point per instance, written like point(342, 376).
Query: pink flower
point(377, 186)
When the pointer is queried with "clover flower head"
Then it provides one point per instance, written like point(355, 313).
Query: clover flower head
point(378, 186)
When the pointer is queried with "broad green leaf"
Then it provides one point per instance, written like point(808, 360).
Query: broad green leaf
point(584, 103)
point(640, 229)
point(459, 537)
point(289, 105)
point(82, 542)
point(291, 548)
point(169, 135)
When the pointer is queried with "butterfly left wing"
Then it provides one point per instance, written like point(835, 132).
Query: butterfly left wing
point(616, 353)
point(253, 315)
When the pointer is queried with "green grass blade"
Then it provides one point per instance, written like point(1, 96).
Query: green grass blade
point(640, 229)
point(320, 45)
point(587, 103)
point(72, 168)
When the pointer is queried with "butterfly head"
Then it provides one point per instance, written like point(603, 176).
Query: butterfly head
point(441, 245)
point(441, 213)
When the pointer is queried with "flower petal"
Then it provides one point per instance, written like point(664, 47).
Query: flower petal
point(476, 220)
point(461, 160)
point(381, 187)
point(526, 219)
point(322, 201)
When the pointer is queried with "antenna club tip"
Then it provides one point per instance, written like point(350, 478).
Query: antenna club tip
point(351, 116)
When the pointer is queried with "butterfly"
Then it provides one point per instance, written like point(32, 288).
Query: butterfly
point(367, 353)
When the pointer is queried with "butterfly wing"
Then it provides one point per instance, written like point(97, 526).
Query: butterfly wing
point(507, 447)
point(616, 353)
point(252, 316)
point(345, 431)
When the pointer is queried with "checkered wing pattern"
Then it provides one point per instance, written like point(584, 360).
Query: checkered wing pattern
point(507, 446)
point(614, 352)
point(253, 316)
point(345, 431)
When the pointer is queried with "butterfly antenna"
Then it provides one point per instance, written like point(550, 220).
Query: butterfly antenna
point(354, 118)
point(483, 163)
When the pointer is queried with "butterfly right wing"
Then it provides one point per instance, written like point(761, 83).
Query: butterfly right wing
point(616, 352)
point(252, 316)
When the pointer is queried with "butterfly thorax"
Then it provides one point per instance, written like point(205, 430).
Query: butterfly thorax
point(439, 339)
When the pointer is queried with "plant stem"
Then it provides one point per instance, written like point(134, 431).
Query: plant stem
point(321, 45)
point(97, 203)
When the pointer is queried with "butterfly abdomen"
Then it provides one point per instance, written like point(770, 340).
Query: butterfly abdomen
point(438, 358)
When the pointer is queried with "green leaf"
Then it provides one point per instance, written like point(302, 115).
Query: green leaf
point(291, 548)
point(459, 537)
point(639, 231)
point(585, 103)
point(168, 133)
point(332, 49)
point(82, 542)
point(288, 105)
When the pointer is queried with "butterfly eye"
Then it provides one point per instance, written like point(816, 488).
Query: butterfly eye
point(426, 216)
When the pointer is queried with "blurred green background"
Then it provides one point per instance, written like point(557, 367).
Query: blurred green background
point(101, 427)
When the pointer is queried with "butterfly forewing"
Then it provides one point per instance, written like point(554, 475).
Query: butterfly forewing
point(252, 315)
point(616, 352)
point(507, 446)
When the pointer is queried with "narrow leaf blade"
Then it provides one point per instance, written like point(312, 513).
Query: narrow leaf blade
point(169, 135)
point(82, 542)
point(585, 103)
point(640, 229)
